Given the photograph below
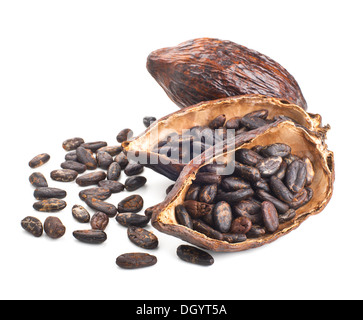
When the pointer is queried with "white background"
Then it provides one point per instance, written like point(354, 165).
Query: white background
point(77, 68)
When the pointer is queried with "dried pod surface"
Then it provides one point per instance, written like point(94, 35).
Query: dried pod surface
point(207, 69)
point(263, 216)
point(135, 260)
point(167, 148)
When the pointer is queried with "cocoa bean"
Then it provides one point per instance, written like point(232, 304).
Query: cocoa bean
point(113, 186)
point(182, 216)
point(39, 160)
point(80, 213)
point(135, 260)
point(104, 159)
point(99, 221)
point(90, 236)
point(270, 216)
point(89, 179)
point(50, 205)
point(102, 206)
point(94, 146)
point(197, 209)
point(86, 157)
point(134, 183)
point(101, 193)
point(38, 180)
point(241, 225)
point(124, 135)
point(296, 176)
point(222, 216)
point(111, 150)
point(64, 175)
point(54, 227)
point(47, 193)
point(72, 144)
point(142, 238)
point(148, 121)
point(194, 255)
point(33, 226)
point(132, 219)
point(114, 171)
point(133, 169)
point(74, 165)
point(269, 166)
point(208, 193)
point(132, 203)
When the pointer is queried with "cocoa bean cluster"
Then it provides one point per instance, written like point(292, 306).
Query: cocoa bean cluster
point(191, 143)
point(267, 186)
point(106, 164)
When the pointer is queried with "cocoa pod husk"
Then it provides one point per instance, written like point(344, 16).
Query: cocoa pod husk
point(207, 69)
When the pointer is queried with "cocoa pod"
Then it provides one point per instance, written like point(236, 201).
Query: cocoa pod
point(208, 69)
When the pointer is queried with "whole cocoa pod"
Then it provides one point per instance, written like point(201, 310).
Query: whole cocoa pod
point(207, 69)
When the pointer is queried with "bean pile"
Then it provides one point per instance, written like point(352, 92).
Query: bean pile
point(266, 188)
point(191, 143)
point(107, 164)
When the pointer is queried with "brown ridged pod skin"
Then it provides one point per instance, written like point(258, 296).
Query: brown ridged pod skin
point(206, 69)
point(303, 143)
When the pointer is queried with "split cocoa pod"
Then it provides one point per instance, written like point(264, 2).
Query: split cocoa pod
point(280, 210)
point(155, 147)
point(207, 69)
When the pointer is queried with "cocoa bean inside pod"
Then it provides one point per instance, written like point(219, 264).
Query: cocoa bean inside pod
point(171, 142)
point(207, 69)
point(262, 211)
